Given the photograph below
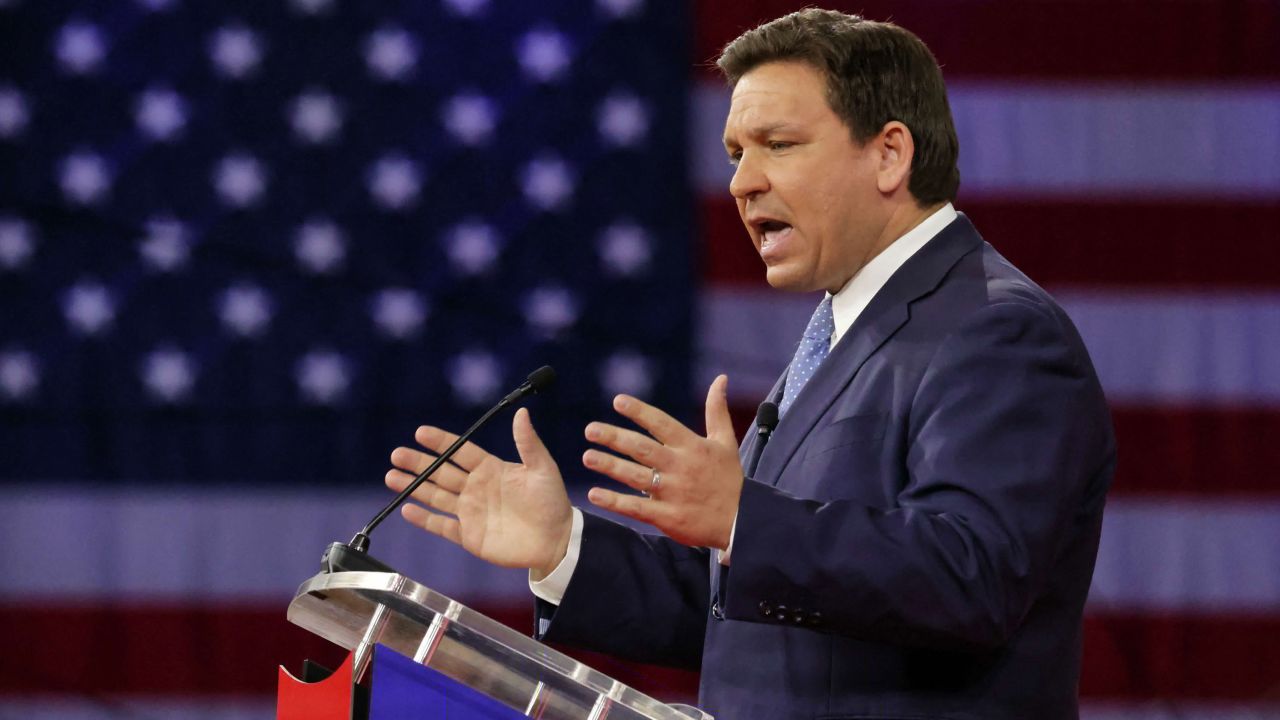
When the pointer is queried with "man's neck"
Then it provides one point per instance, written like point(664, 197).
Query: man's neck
point(907, 218)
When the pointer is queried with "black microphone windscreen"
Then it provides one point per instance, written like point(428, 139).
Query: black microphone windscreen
point(542, 378)
point(767, 415)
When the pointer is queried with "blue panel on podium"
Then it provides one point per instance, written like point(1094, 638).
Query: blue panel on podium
point(404, 689)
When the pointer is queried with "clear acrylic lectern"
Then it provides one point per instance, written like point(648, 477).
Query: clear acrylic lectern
point(359, 610)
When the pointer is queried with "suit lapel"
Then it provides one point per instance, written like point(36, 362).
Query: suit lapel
point(885, 314)
point(749, 442)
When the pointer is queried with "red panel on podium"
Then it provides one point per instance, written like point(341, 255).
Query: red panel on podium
point(329, 699)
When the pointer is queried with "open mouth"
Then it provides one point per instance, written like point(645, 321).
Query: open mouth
point(771, 231)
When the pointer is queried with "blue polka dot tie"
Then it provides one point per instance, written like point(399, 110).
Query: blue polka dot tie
point(814, 348)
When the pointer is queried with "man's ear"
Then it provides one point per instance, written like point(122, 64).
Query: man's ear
point(896, 148)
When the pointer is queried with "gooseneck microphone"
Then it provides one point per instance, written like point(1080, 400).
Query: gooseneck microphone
point(355, 554)
point(766, 421)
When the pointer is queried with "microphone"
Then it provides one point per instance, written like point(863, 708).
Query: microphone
point(766, 421)
point(354, 556)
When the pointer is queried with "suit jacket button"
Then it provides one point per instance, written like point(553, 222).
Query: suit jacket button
point(716, 611)
point(765, 608)
point(781, 612)
point(815, 618)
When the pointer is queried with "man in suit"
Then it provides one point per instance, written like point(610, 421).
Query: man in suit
point(917, 537)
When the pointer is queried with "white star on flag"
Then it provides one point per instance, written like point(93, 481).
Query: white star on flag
point(319, 246)
point(161, 114)
point(84, 178)
point(627, 372)
point(156, 5)
point(168, 374)
point(625, 249)
point(166, 246)
point(472, 246)
point(391, 54)
point(245, 310)
point(619, 9)
point(475, 376)
point(543, 55)
point(240, 180)
point(14, 113)
point(467, 8)
point(80, 47)
point(399, 312)
point(236, 51)
point(394, 182)
point(550, 309)
point(88, 307)
point(547, 183)
point(316, 117)
point(312, 7)
point(19, 375)
point(323, 376)
point(622, 119)
point(470, 118)
point(17, 243)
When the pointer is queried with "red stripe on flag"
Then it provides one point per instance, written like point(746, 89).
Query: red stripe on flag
point(1220, 452)
point(1139, 244)
point(1133, 656)
point(233, 650)
point(1060, 39)
point(224, 650)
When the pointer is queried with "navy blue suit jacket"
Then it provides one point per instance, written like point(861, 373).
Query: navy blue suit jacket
point(920, 532)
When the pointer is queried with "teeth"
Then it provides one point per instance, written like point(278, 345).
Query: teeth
point(773, 233)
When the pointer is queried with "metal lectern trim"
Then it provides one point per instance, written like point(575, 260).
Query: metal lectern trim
point(441, 633)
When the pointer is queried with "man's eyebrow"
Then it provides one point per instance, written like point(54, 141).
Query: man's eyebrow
point(760, 131)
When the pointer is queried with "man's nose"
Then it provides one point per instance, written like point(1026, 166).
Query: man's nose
point(748, 178)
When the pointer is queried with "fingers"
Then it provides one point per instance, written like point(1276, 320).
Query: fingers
point(529, 446)
point(643, 448)
point(719, 422)
point(633, 475)
point(427, 493)
point(415, 461)
point(436, 524)
point(633, 506)
point(433, 438)
point(662, 426)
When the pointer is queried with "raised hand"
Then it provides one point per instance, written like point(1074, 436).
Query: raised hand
point(509, 514)
point(695, 500)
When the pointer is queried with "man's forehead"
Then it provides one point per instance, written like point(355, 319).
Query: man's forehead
point(772, 98)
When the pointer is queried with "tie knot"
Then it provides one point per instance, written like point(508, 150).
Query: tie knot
point(823, 323)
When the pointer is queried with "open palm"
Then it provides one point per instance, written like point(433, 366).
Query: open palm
point(509, 514)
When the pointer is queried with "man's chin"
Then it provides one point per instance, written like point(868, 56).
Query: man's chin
point(780, 279)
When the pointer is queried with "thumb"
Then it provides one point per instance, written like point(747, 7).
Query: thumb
point(719, 422)
point(529, 446)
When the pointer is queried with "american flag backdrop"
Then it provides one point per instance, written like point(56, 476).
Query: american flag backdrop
point(246, 247)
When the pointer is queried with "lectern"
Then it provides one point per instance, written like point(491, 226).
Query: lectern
point(421, 646)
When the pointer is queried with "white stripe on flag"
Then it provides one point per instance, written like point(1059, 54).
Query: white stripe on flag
point(1201, 555)
point(1198, 555)
point(1179, 711)
point(75, 708)
point(221, 543)
point(1158, 348)
point(1018, 140)
point(1150, 348)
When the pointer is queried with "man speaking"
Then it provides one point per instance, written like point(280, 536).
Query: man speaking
point(917, 536)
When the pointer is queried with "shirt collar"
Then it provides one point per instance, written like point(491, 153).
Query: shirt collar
point(853, 298)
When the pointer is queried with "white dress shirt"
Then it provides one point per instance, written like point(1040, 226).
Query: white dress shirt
point(846, 306)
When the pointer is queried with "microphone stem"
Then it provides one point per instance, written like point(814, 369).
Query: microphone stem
point(361, 540)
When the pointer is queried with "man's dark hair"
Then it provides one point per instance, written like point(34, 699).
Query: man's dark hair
point(876, 72)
